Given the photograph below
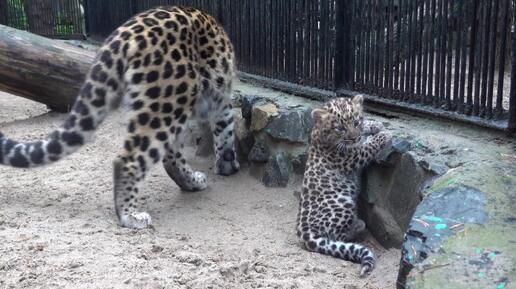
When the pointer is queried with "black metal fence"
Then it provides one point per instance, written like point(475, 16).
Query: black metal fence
point(445, 57)
point(51, 18)
point(106, 16)
point(449, 55)
point(286, 40)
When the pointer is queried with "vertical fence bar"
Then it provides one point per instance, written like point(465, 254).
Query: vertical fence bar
point(402, 44)
point(343, 52)
point(306, 40)
point(390, 48)
point(409, 73)
point(478, 60)
point(464, 53)
point(472, 45)
point(512, 96)
point(431, 55)
point(439, 75)
point(426, 45)
point(360, 43)
point(449, 54)
point(376, 47)
point(485, 58)
point(419, 54)
point(414, 47)
point(367, 44)
point(458, 100)
point(397, 53)
point(292, 40)
point(506, 30)
point(492, 60)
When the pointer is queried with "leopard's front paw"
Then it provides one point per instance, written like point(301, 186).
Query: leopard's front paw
point(136, 220)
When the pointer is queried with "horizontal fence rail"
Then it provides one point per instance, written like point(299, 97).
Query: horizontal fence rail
point(50, 18)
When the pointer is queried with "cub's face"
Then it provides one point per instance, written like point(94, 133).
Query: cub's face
point(339, 122)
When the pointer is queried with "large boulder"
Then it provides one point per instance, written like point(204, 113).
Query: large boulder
point(391, 192)
point(437, 219)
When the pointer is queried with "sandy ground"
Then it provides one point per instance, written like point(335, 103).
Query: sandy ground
point(58, 227)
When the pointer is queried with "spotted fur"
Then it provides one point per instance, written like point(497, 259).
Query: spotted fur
point(171, 64)
point(327, 219)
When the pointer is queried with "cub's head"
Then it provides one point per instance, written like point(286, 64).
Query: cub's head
point(339, 122)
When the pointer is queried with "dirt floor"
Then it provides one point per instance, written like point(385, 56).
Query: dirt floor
point(58, 228)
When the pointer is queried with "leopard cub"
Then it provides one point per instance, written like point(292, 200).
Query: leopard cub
point(327, 218)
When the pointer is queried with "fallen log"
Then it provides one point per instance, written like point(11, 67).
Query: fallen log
point(41, 69)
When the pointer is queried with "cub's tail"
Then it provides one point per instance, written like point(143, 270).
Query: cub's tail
point(91, 107)
point(347, 251)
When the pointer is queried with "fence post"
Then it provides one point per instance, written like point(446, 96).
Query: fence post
point(220, 12)
point(86, 17)
point(3, 12)
point(343, 45)
point(134, 7)
point(512, 96)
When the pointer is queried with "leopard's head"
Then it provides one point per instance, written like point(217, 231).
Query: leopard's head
point(339, 123)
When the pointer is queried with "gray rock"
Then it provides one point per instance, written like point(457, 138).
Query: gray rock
point(262, 115)
point(299, 163)
point(401, 145)
point(243, 136)
point(397, 145)
point(204, 140)
point(433, 222)
point(449, 152)
point(248, 102)
point(387, 231)
point(259, 153)
point(391, 192)
point(277, 171)
point(244, 147)
point(454, 162)
point(433, 167)
point(293, 126)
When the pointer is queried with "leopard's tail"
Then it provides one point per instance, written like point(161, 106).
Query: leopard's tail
point(90, 109)
point(345, 250)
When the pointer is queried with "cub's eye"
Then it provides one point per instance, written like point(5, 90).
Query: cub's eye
point(357, 123)
point(340, 128)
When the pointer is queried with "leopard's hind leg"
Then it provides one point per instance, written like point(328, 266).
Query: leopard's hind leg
point(141, 151)
point(178, 169)
point(222, 124)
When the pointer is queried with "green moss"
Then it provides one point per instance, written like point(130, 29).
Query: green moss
point(447, 272)
point(446, 180)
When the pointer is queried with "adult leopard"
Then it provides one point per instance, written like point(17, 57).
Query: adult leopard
point(172, 64)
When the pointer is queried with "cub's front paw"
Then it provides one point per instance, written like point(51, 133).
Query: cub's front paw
point(372, 127)
point(382, 139)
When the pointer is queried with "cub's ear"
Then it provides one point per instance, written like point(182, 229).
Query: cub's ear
point(358, 99)
point(320, 114)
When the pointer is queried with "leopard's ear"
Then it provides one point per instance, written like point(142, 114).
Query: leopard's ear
point(320, 114)
point(358, 99)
